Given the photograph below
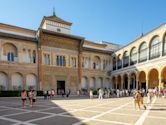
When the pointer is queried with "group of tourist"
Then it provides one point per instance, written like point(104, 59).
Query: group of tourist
point(102, 93)
point(49, 94)
point(139, 97)
point(31, 95)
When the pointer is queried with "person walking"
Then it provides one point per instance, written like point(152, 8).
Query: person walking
point(91, 94)
point(68, 93)
point(149, 95)
point(33, 97)
point(45, 94)
point(100, 93)
point(142, 99)
point(23, 97)
point(137, 99)
point(30, 97)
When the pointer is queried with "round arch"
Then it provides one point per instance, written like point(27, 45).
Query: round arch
point(164, 44)
point(154, 47)
point(133, 56)
point(114, 82)
point(92, 81)
point(84, 83)
point(31, 81)
point(96, 62)
point(125, 59)
point(107, 83)
point(142, 51)
point(153, 76)
point(125, 79)
point(9, 52)
point(163, 76)
point(4, 81)
point(17, 81)
point(142, 80)
point(119, 81)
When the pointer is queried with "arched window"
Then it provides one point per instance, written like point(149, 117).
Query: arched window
point(143, 52)
point(114, 63)
point(155, 48)
point(164, 46)
point(10, 56)
point(9, 52)
point(96, 63)
point(133, 56)
point(125, 59)
point(119, 61)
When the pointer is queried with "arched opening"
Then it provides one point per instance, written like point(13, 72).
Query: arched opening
point(142, 80)
point(153, 78)
point(96, 63)
point(125, 59)
point(31, 81)
point(119, 61)
point(99, 83)
point(119, 82)
point(154, 48)
point(17, 81)
point(133, 56)
point(4, 81)
point(9, 52)
point(164, 45)
point(143, 52)
point(133, 81)
point(114, 63)
point(84, 83)
point(113, 82)
point(92, 83)
point(125, 77)
point(107, 83)
point(163, 76)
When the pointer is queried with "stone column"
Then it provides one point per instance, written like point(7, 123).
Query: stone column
point(121, 81)
point(160, 80)
point(128, 83)
point(116, 82)
point(147, 82)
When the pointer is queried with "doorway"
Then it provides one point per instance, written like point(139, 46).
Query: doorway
point(60, 87)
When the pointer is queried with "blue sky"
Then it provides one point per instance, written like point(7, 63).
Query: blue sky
point(118, 21)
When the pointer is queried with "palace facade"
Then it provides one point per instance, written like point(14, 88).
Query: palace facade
point(53, 58)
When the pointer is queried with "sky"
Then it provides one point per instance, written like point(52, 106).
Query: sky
point(117, 21)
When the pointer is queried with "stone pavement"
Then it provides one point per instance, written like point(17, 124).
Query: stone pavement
point(81, 111)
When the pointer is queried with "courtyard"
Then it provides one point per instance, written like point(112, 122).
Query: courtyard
point(81, 111)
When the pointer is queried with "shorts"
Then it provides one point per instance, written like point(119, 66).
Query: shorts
point(34, 100)
point(24, 99)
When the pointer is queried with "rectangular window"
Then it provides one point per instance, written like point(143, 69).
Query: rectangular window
point(47, 59)
point(74, 61)
point(60, 60)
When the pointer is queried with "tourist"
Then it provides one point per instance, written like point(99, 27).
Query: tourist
point(118, 93)
point(137, 99)
point(33, 97)
point(30, 97)
point(91, 94)
point(149, 95)
point(68, 93)
point(52, 93)
point(100, 93)
point(23, 97)
point(78, 92)
point(49, 94)
point(45, 94)
point(142, 99)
